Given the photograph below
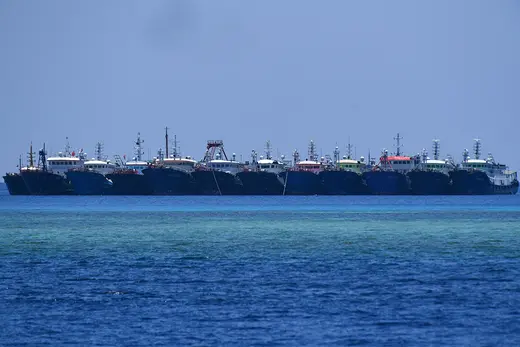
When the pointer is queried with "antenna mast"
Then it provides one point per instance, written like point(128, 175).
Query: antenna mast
point(477, 148)
point(139, 147)
point(398, 144)
point(31, 156)
point(268, 150)
point(99, 151)
point(175, 148)
point(436, 149)
point(312, 151)
point(349, 149)
point(166, 142)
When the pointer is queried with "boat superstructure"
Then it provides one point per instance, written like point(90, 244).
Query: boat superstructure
point(14, 180)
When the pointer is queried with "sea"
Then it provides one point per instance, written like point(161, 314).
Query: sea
point(260, 271)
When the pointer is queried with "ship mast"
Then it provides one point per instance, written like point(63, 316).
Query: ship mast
point(296, 156)
point(436, 149)
point(139, 147)
point(398, 144)
point(31, 156)
point(336, 155)
point(254, 157)
point(42, 158)
point(99, 151)
point(477, 148)
point(312, 151)
point(176, 152)
point(268, 150)
point(349, 149)
point(166, 142)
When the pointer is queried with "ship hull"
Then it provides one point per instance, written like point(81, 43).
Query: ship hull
point(386, 183)
point(46, 183)
point(468, 182)
point(429, 183)
point(217, 183)
point(168, 181)
point(129, 184)
point(15, 184)
point(301, 183)
point(89, 183)
point(261, 183)
point(342, 183)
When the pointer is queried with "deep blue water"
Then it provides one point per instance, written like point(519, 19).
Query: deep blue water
point(260, 271)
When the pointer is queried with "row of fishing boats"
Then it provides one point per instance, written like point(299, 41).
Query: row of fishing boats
point(71, 173)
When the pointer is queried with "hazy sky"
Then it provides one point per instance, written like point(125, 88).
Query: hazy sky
point(248, 71)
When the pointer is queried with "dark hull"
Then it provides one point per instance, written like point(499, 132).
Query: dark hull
point(217, 183)
point(168, 181)
point(301, 183)
point(465, 182)
point(342, 183)
point(429, 183)
point(386, 183)
point(15, 184)
point(46, 183)
point(89, 183)
point(261, 183)
point(129, 184)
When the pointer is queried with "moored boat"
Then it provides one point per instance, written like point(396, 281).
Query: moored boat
point(216, 174)
point(303, 178)
point(482, 176)
point(261, 177)
point(90, 178)
point(431, 177)
point(129, 178)
point(389, 176)
point(344, 176)
point(171, 174)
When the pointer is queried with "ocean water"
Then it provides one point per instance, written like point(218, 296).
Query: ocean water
point(260, 271)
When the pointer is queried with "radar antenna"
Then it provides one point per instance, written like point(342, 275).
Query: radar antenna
point(436, 149)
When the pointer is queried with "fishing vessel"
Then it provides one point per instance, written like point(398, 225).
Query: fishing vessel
point(303, 178)
point(129, 179)
point(171, 174)
point(344, 176)
point(90, 178)
point(48, 178)
point(14, 181)
point(389, 176)
point(261, 176)
point(216, 174)
point(432, 176)
point(482, 176)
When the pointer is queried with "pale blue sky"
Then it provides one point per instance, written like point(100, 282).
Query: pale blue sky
point(248, 71)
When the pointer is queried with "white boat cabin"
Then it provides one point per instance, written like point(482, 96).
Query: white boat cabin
point(269, 165)
point(184, 164)
point(309, 165)
point(61, 164)
point(136, 165)
point(352, 165)
point(100, 166)
point(229, 166)
point(401, 164)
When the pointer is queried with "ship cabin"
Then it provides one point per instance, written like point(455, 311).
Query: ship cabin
point(309, 165)
point(137, 166)
point(61, 164)
point(351, 165)
point(436, 165)
point(401, 164)
point(269, 165)
point(478, 164)
point(100, 166)
point(183, 164)
point(229, 166)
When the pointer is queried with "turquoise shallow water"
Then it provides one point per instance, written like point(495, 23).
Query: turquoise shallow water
point(260, 271)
